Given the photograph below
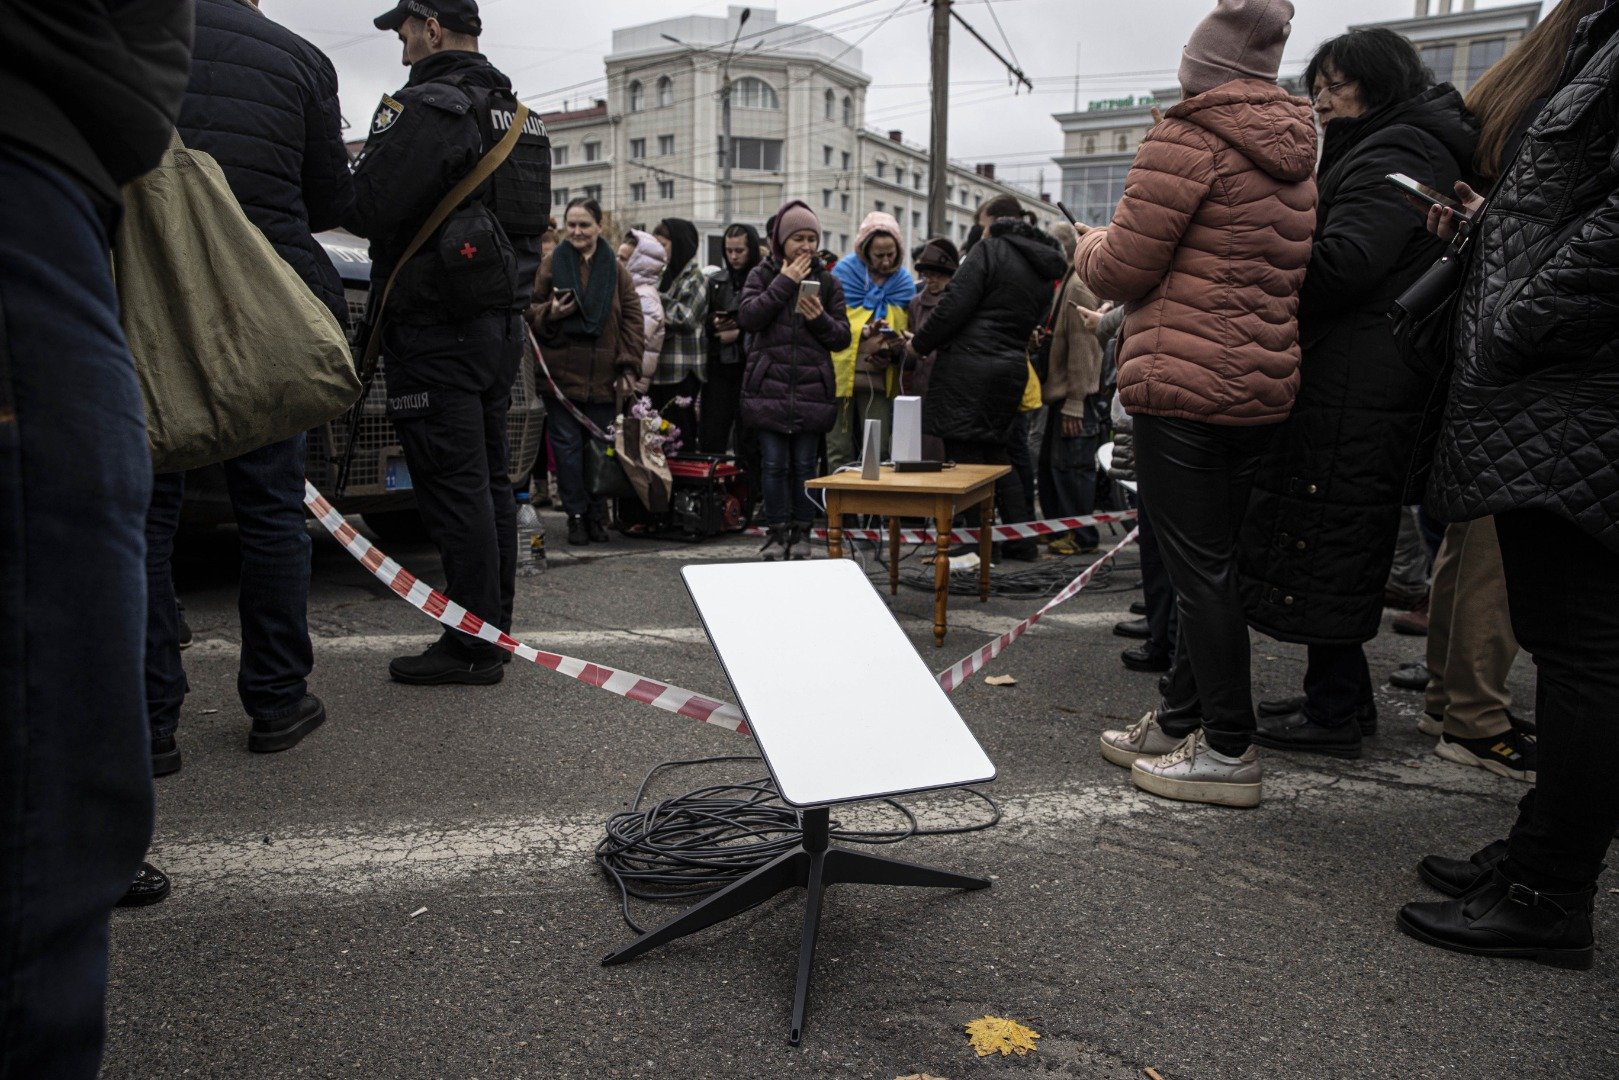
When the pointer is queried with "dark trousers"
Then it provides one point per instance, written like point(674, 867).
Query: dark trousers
point(1068, 475)
point(787, 462)
point(449, 389)
point(568, 438)
point(721, 422)
point(1156, 588)
point(1009, 501)
point(1337, 684)
point(1022, 462)
point(1198, 476)
point(683, 417)
point(1563, 589)
point(75, 764)
point(267, 496)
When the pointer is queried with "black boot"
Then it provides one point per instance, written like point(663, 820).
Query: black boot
point(578, 532)
point(165, 756)
point(598, 531)
point(798, 543)
point(775, 545)
point(1458, 877)
point(1296, 731)
point(1503, 919)
point(1145, 658)
point(439, 665)
point(284, 732)
point(1365, 716)
point(151, 886)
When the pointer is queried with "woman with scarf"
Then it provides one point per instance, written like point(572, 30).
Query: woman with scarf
point(877, 289)
point(588, 322)
point(720, 417)
point(684, 289)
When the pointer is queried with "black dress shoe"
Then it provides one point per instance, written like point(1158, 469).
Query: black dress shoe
point(1508, 921)
point(151, 886)
point(1133, 628)
point(273, 734)
point(578, 531)
point(439, 666)
point(1366, 717)
point(598, 531)
point(165, 756)
point(186, 637)
point(1139, 607)
point(1144, 658)
point(1412, 676)
point(1296, 731)
point(1457, 877)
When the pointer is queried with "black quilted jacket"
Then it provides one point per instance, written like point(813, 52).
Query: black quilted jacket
point(1533, 417)
point(263, 103)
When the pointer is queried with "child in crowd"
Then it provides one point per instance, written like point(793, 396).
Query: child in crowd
point(788, 390)
point(645, 259)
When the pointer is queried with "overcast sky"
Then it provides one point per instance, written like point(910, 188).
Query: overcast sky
point(1116, 47)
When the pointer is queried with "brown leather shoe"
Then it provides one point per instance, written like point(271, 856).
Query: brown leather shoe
point(1414, 622)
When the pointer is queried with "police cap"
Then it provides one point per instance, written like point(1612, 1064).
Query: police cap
point(460, 16)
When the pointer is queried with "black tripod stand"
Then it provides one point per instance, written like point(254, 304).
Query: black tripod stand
point(813, 865)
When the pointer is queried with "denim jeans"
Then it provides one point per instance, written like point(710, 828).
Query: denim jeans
point(75, 765)
point(787, 462)
point(1068, 475)
point(568, 437)
point(266, 489)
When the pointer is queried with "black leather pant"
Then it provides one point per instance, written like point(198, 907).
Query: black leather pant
point(1197, 477)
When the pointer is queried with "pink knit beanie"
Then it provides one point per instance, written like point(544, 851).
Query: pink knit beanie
point(877, 224)
point(794, 216)
point(1239, 39)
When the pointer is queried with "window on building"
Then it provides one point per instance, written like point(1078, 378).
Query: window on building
point(1122, 143)
point(899, 176)
point(882, 167)
point(593, 151)
point(831, 111)
point(763, 154)
point(961, 231)
point(880, 206)
point(637, 96)
point(826, 156)
point(916, 180)
point(1093, 192)
point(666, 189)
point(916, 219)
point(666, 145)
point(751, 93)
point(826, 198)
point(848, 111)
point(559, 155)
point(847, 161)
point(950, 193)
point(978, 200)
point(1441, 60)
point(637, 148)
point(1481, 56)
point(1090, 144)
point(638, 192)
point(593, 191)
point(826, 234)
point(666, 92)
point(559, 196)
point(843, 241)
point(843, 202)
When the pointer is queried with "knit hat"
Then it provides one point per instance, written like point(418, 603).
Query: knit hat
point(794, 216)
point(877, 224)
point(1239, 39)
point(940, 256)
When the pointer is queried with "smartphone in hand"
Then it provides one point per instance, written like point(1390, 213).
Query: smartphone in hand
point(1427, 196)
point(809, 287)
point(563, 296)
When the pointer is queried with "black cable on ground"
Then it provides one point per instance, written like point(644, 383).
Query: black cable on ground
point(693, 845)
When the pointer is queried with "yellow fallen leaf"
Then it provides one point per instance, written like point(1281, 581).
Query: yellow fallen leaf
point(990, 1034)
point(1000, 680)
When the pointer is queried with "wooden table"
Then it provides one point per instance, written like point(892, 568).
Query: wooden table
point(937, 495)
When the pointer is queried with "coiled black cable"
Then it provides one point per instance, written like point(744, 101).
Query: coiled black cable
point(693, 845)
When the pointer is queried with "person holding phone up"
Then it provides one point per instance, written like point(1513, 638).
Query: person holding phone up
point(794, 311)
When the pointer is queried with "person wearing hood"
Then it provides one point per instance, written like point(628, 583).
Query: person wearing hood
point(720, 421)
point(936, 263)
point(646, 260)
point(1326, 504)
point(1208, 248)
point(788, 391)
point(684, 288)
point(980, 332)
point(876, 287)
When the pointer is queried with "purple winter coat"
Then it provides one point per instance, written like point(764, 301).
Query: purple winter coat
point(789, 385)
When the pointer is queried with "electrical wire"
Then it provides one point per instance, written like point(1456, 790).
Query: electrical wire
point(693, 845)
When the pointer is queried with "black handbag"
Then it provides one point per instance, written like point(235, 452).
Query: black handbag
point(604, 473)
point(1423, 318)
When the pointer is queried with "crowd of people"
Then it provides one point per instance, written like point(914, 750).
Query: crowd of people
point(1228, 331)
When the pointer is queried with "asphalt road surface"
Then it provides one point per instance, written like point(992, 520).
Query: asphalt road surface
point(411, 891)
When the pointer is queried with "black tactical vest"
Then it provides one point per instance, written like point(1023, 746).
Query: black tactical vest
point(519, 193)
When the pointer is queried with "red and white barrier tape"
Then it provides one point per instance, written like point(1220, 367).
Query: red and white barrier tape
point(963, 669)
point(659, 695)
point(1023, 530)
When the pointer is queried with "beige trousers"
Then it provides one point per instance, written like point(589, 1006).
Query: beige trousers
point(1470, 642)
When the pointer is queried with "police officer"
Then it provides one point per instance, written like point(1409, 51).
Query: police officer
point(451, 328)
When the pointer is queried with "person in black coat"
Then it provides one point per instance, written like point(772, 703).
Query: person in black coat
point(1319, 536)
point(980, 331)
point(91, 92)
point(720, 426)
point(1531, 435)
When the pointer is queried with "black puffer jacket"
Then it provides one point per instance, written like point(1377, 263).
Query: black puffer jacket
point(93, 87)
point(1319, 536)
point(263, 103)
point(1533, 417)
point(788, 385)
point(980, 331)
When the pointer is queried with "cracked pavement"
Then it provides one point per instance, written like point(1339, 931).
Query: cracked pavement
point(1129, 932)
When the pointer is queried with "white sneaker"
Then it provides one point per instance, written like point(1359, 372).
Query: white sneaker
point(1142, 739)
point(1193, 772)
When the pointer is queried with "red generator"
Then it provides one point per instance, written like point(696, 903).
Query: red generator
point(708, 497)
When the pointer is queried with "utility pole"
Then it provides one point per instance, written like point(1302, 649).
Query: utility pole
point(938, 141)
point(727, 214)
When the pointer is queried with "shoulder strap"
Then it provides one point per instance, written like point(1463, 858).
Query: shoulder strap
point(469, 183)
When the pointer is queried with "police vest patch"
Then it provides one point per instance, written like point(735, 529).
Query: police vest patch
point(388, 111)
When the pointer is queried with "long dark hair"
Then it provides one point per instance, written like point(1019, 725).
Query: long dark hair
point(1525, 74)
point(1385, 65)
point(682, 237)
point(591, 206)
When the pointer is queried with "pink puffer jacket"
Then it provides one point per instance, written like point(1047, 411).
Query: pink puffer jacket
point(1209, 247)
